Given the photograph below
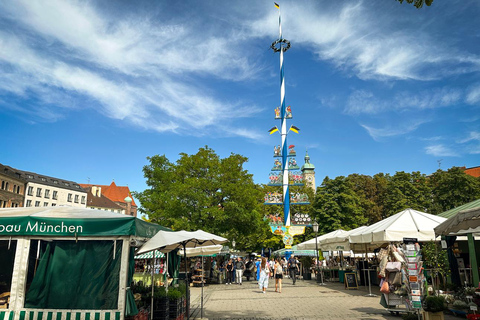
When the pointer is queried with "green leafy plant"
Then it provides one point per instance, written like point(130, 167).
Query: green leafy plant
point(174, 294)
point(436, 260)
point(434, 304)
point(460, 305)
point(409, 316)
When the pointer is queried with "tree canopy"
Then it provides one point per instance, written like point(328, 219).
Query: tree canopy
point(202, 191)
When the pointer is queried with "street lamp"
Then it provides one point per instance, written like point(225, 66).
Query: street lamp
point(315, 229)
point(233, 244)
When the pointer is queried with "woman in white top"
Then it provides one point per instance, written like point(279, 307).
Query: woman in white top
point(264, 275)
point(278, 274)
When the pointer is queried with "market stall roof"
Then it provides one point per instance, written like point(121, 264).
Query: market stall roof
point(471, 205)
point(467, 221)
point(167, 241)
point(72, 221)
point(341, 241)
point(149, 255)
point(296, 252)
point(310, 244)
point(202, 251)
point(407, 223)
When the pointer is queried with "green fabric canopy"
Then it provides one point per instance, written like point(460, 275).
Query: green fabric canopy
point(71, 221)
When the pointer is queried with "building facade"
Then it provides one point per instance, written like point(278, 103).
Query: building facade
point(117, 194)
point(45, 191)
point(12, 191)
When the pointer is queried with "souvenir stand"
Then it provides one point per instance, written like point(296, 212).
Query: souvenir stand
point(68, 263)
point(402, 277)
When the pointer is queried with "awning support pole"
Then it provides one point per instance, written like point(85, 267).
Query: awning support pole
point(473, 259)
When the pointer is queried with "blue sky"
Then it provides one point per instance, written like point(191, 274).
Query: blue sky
point(89, 89)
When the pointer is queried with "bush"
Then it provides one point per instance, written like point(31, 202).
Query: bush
point(434, 304)
point(409, 316)
point(174, 294)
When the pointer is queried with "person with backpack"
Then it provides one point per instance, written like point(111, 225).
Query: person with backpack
point(293, 268)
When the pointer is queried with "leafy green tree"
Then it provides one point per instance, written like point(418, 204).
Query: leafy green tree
point(203, 191)
point(418, 3)
point(407, 190)
point(452, 188)
point(337, 206)
point(371, 191)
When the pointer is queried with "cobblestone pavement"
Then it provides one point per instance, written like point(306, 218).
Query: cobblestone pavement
point(305, 300)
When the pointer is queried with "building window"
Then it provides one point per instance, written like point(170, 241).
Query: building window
point(54, 204)
point(37, 203)
point(45, 204)
point(47, 193)
point(83, 199)
point(30, 191)
point(39, 192)
point(18, 189)
point(29, 203)
point(55, 194)
point(43, 179)
point(55, 181)
point(3, 185)
point(76, 198)
point(69, 198)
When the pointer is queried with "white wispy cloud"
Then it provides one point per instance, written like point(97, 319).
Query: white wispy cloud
point(365, 102)
point(440, 150)
point(129, 69)
point(391, 131)
point(361, 40)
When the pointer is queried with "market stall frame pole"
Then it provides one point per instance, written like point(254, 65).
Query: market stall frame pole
point(315, 229)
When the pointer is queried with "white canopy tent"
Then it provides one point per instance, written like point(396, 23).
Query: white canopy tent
point(310, 244)
point(408, 223)
point(165, 241)
point(340, 241)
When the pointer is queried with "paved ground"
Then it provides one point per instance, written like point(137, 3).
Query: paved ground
point(305, 300)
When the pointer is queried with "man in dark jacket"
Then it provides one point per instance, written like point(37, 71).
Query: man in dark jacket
point(293, 268)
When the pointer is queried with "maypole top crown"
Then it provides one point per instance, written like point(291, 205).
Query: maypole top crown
point(280, 44)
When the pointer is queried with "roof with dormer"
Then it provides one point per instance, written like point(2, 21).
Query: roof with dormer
point(114, 192)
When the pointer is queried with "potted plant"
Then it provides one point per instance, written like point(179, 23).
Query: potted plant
point(433, 307)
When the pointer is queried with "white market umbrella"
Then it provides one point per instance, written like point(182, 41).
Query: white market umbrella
point(202, 251)
point(310, 244)
point(166, 241)
point(408, 223)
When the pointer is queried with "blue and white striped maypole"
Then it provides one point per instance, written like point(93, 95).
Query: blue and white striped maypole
point(284, 45)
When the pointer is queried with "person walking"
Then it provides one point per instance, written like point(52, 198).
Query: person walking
point(239, 268)
point(278, 274)
point(229, 268)
point(293, 268)
point(257, 267)
point(264, 275)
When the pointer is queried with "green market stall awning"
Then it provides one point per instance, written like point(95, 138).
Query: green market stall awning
point(72, 221)
point(296, 252)
point(149, 255)
point(452, 212)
